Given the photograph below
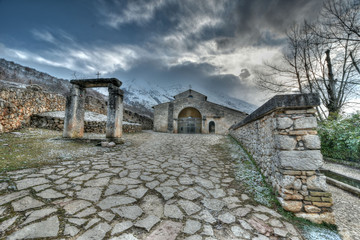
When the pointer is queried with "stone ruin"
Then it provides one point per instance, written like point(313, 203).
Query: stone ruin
point(75, 107)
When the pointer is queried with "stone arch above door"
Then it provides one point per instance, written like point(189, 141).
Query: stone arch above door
point(189, 120)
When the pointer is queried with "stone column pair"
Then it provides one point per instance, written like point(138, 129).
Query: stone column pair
point(75, 111)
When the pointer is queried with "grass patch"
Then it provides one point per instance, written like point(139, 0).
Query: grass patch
point(31, 148)
point(247, 172)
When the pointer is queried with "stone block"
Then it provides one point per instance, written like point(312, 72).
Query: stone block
point(327, 217)
point(310, 173)
point(312, 141)
point(301, 160)
point(313, 132)
point(305, 123)
point(297, 184)
point(283, 123)
point(287, 182)
point(326, 199)
point(298, 132)
point(320, 194)
point(285, 142)
point(311, 110)
point(297, 111)
point(312, 199)
point(311, 209)
point(291, 172)
point(322, 204)
point(291, 206)
point(293, 197)
point(317, 182)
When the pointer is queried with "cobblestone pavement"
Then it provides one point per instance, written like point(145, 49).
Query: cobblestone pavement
point(161, 186)
point(347, 211)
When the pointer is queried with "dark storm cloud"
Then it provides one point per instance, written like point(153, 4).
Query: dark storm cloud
point(210, 43)
point(199, 76)
point(263, 22)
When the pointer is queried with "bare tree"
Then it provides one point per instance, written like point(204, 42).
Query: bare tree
point(320, 58)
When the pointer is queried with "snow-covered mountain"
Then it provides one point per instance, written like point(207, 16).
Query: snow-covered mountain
point(138, 97)
point(148, 95)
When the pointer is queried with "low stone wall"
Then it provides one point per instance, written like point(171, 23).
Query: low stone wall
point(147, 123)
point(55, 123)
point(18, 102)
point(282, 138)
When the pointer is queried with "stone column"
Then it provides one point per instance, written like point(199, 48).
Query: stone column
point(74, 113)
point(302, 189)
point(114, 112)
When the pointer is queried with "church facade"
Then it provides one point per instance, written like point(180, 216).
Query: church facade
point(190, 112)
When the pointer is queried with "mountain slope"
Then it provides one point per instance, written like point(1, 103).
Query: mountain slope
point(149, 94)
point(138, 97)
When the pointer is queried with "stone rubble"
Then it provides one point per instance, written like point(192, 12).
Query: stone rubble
point(162, 186)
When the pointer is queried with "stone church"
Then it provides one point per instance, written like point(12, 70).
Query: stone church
point(190, 112)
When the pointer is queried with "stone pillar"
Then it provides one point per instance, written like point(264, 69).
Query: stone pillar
point(114, 113)
point(281, 135)
point(302, 189)
point(74, 113)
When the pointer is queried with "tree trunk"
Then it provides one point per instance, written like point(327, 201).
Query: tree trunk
point(330, 87)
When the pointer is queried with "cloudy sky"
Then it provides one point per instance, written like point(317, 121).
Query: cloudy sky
point(211, 44)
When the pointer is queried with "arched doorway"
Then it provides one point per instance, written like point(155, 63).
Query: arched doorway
point(189, 121)
point(212, 127)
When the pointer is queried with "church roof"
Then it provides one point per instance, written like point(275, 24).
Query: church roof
point(188, 93)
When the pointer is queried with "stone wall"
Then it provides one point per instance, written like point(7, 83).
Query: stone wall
point(19, 102)
point(146, 122)
point(282, 138)
point(55, 123)
point(161, 114)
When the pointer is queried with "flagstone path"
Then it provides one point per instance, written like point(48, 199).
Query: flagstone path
point(156, 187)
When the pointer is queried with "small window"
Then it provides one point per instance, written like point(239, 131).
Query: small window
point(190, 96)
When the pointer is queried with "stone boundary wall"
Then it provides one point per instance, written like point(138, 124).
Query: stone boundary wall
point(282, 138)
point(147, 123)
point(17, 105)
point(55, 123)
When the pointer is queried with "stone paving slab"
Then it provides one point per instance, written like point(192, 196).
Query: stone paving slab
point(159, 186)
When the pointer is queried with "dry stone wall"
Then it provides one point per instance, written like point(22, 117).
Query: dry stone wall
point(282, 138)
point(56, 123)
point(19, 102)
point(146, 122)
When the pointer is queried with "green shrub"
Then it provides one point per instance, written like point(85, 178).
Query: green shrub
point(340, 138)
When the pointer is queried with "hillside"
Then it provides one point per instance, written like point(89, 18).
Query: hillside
point(139, 98)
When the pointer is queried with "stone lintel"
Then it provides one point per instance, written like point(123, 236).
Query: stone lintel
point(300, 160)
point(288, 101)
point(96, 82)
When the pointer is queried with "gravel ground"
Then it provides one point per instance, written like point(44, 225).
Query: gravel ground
point(347, 213)
point(344, 170)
